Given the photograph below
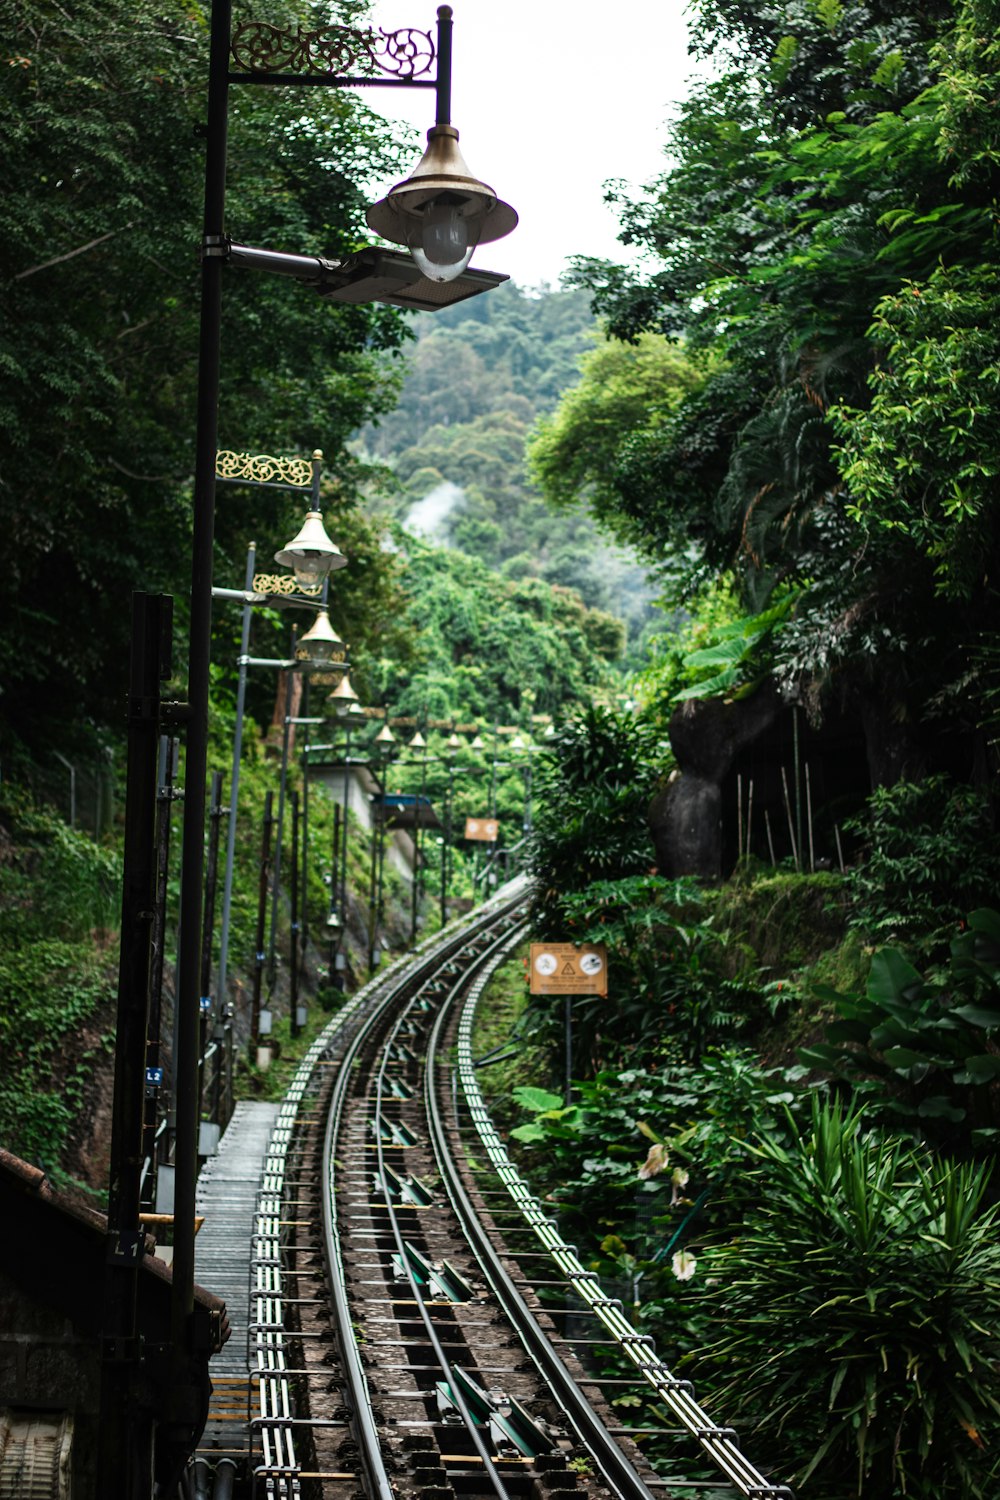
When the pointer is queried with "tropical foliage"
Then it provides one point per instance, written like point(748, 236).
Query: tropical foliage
point(923, 1049)
point(479, 376)
point(823, 240)
point(595, 781)
point(880, 1265)
point(100, 222)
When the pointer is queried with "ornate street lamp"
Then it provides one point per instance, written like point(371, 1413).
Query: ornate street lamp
point(321, 643)
point(258, 51)
point(343, 698)
point(441, 212)
point(310, 553)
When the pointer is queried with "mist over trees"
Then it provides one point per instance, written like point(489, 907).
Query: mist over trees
point(480, 378)
point(823, 247)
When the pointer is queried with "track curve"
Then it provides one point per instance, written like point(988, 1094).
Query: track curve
point(399, 1349)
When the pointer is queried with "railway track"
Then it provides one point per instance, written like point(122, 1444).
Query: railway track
point(397, 1346)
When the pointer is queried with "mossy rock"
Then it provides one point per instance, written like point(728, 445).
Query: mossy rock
point(786, 919)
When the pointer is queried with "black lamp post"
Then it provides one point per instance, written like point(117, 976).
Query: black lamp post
point(417, 743)
point(475, 205)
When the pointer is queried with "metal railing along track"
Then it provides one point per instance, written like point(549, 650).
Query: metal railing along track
point(720, 1444)
point(613, 1464)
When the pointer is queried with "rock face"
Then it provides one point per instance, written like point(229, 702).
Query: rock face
point(686, 816)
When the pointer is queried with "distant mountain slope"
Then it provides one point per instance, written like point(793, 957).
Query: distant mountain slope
point(481, 374)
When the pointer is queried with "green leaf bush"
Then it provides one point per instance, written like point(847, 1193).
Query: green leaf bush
point(60, 896)
point(930, 855)
point(925, 1050)
point(858, 1315)
point(595, 782)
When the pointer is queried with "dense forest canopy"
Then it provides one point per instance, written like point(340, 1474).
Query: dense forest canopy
point(100, 214)
point(823, 244)
point(479, 378)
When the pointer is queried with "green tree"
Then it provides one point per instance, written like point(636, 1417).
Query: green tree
point(490, 649)
point(624, 389)
point(100, 209)
point(829, 211)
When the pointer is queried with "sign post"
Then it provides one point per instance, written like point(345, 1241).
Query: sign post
point(567, 970)
point(480, 831)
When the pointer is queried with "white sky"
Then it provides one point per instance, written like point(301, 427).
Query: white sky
point(551, 98)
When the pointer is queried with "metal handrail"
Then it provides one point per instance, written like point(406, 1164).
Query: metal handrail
point(719, 1443)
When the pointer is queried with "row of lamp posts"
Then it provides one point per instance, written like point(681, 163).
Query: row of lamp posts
point(439, 213)
point(418, 813)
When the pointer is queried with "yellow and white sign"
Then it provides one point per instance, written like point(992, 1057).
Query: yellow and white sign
point(483, 829)
point(565, 969)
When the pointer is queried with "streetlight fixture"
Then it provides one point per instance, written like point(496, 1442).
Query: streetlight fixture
point(310, 553)
point(343, 697)
point(258, 51)
point(441, 212)
point(321, 643)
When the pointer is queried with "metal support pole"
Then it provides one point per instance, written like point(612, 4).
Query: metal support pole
point(272, 948)
point(165, 771)
point(234, 791)
point(185, 1411)
point(372, 884)
point(797, 757)
point(418, 813)
point(380, 893)
point(568, 1026)
point(343, 832)
point(293, 942)
point(72, 786)
point(493, 776)
point(119, 1465)
point(211, 885)
point(259, 954)
point(446, 845)
point(334, 887)
point(304, 919)
point(443, 86)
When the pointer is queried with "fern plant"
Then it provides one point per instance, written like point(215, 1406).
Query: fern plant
point(858, 1315)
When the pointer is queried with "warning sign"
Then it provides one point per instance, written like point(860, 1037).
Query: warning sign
point(484, 829)
point(565, 969)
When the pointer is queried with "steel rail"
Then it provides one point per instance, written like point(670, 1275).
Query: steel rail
point(444, 1363)
point(386, 995)
point(720, 1444)
point(273, 1421)
point(614, 1466)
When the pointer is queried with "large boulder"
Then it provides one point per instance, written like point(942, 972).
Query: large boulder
point(685, 816)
